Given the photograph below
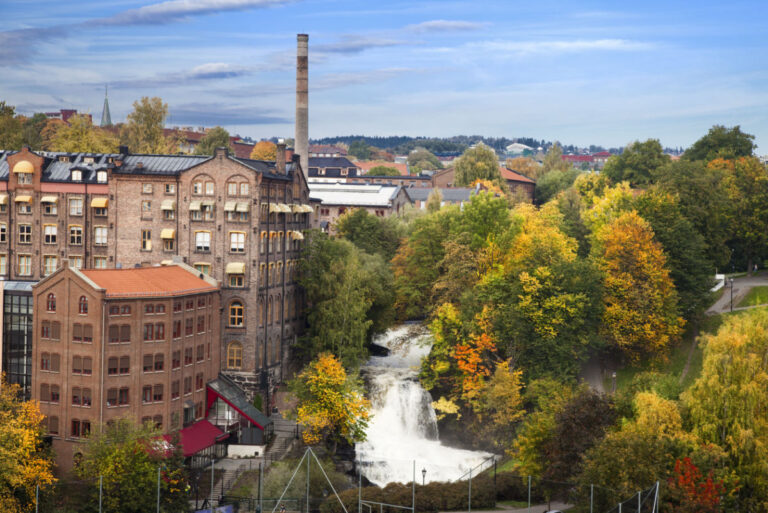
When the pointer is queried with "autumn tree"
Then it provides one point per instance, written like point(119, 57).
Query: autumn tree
point(331, 406)
point(31, 130)
point(691, 491)
point(641, 310)
point(478, 163)
point(722, 142)
point(11, 137)
point(553, 161)
point(24, 464)
point(727, 402)
point(127, 457)
point(500, 405)
point(143, 131)
point(214, 138)
point(420, 159)
point(81, 136)
point(383, 171)
point(264, 150)
point(525, 166)
point(434, 201)
point(637, 163)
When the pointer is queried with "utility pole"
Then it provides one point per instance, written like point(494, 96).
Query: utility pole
point(308, 449)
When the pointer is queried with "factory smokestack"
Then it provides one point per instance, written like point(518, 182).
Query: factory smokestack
point(302, 101)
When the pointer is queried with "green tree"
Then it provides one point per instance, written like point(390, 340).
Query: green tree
point(214, 138)
point(641, 304)
point(637, 164)
point(553, 161)
point(11, 137)
point(420, 159)
point(143, 132)
point(374, 235)
point(434, 201)
point(360, 150)
point(81, 136)
point(383, 171)
point(32, 129)
point(331, 405)
point(128, 457)
point(551, 183)
point(722, 142)
point(478, 163)
point(24, 464)
point(726, 403)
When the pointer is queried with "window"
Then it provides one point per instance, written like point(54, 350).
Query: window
point(159, 362)
point(24, 178)
point(236, 314)
point(50, 302)
point(50, 263)
point(146, 208)
point(200, 324)
point(88, 334)
point(203, 241)
point(125, 333)
point(100, 262)
point(25, 234)
point(244, 189)
point(146, 394)
point(190, 304)
point(188, 385)
point(188, 356)
point(76, 235)
point(148, 363)
point(207, 212)
point(175, 389)
point(125, 365)
point(112, 363)
point(176, 306)
point(112, 397)
point(169, 215)
point(83, 305)
point(53, 425)
point(100, 212)
point(3, 232)
point(157, 393)
point(122, 398)
point(203, 268)
point(45, 361)
point(25, 265)
point(77, 333)
point(236, 280)
point(209, 189)
point(160, 331)
point(100, 235)
point(197, 188)
point(146, 240)
point(75, 206)
point(45, 329)
point(234, 355)
point(199, 381)
point(24, 207)
point(76, 396)
point(146, 188)
point(176, 359)
point(188, 326)
point(231, 189)
point(114, 310)
point(50, 208)
point(75, 261)
point(55, 330)
point(198, 410)
point(237, 242)
point(77, 175)
point(169, 244)
point(160, 309)
point(149, 332)
point(101, 176)
point(176, 329)
point(49, 234)
point(170, 188)
point(149, 309)
point(86, 397)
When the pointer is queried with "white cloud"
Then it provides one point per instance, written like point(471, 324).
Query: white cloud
point(558, 47)
point(445, 26)
point(175, 10)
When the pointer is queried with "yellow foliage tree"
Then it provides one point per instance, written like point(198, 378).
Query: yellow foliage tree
point(641, 312)
point(331, 406)
point(23, 465)
point(525, 166)
point(264, 150)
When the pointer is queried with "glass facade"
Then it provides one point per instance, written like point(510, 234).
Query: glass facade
point(17, 339)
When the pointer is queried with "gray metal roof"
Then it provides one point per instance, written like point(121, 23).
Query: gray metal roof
point(450, 195)
point(18, 286)
point(234, 395)
point(265, 167)
point(159, 164)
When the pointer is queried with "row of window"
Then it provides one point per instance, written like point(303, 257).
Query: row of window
point(82, 304)
point(51, 208)
point(82, 428)
point(159, 308)
point(236, 312)
point(234, 359)
point(208, 188)
point(49, 263)
point(51, 234)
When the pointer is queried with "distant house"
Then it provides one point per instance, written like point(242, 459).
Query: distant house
point(325, 150)
point(66, 114)
point(579, 160)
point(601, 157)
point(516, 181)
point(332, 167)
point(334, 199)
point(366, 166)
point(452, 196)
point(518, 149)
point(189, 139)
point(403, 181)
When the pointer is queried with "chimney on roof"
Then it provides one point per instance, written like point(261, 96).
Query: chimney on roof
point(280, 157)
point(302, 100)
point(123, 150)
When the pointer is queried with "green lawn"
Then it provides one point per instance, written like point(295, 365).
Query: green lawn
point(513, 504)
point(756, 296)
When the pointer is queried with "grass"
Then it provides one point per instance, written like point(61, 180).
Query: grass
point(507, 466)
point(756, 296)
point(513, 504)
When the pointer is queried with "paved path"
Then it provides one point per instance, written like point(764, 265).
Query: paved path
point(536, 508)
point(741, 286)
point(592, 373)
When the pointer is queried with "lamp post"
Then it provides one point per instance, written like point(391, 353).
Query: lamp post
point(423, 476)
point(613, 375)
point(731, 295)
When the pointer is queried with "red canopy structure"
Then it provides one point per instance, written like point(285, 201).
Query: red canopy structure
point(199, 436)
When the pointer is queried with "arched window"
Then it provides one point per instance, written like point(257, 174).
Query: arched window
point(261, 312)
point(234, 355)
point(83, 305)
point(50, 303)
point(278, 308)
point(271, 311)
point(236, 314)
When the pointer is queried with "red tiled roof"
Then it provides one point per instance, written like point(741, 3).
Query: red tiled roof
point(198, 436)
point(602, 154)
point(508, 174)
point(169, 280)
point(578, 158)
point(367, 165)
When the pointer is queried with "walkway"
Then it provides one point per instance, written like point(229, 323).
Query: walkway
point(537, 508)
point(741, 287)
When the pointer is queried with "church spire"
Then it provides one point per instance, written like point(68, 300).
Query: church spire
point(106, 118)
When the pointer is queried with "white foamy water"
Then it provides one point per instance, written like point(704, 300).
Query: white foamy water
point(404, 426)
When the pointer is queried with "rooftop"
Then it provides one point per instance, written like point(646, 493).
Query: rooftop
point(353, 194)
point(508, 174)
point(171, 280)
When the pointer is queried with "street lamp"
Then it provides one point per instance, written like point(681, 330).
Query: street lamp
point(613, 375)
point(731, 295)
point(423, 476)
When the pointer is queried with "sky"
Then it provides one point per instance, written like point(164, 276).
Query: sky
point(580, 72)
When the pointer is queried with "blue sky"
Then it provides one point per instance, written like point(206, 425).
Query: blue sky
point(584, 72)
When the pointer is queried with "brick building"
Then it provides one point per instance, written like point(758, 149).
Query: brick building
point(113, 343)
point(238, 220)
point(331, 200)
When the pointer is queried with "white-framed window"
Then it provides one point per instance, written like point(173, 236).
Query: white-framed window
point(237, 242)
point(100, 235)
point(25, 265)
point(75, 235)
point(146, 240)
point(75, 206)
point(49, 234)
point(100, 212)
point(231, 189)
point(202, 241)
point(3, 232)
point(50, 263)
point(50, 208)
point(24, 178)
point(3, 264)
point(146, 188)
point(197, 188)
point(77, 175)
point(24, 207)
point(100, 262)
point(76, 261)
point(170, 188)
point(210, 190)
point(244, 189)
point(101, 176)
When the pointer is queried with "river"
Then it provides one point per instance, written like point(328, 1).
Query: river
point(404, 425)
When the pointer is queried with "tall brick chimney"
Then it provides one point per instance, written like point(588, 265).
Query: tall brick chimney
point(302, 101)
point(280, 157)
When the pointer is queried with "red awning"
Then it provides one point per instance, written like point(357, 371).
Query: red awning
point(199, 436)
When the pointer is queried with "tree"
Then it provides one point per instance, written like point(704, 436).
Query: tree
point(383, 171)
point(264, 150)
point(143, 132)
point(24, 464)
point(641, 310)
point(721, 142)
point(128, 457)
point(371, 234)
point(32, 131)
point(420, 159)
point(11, 137)
point(214, 138)
point(551, 183)
point(690, 491)
point(553, 161)
point(331, 406)
point(360, 150)
point(726, 403)
point(500, 405)
point(524, 165)
point(478, 163)
point(637, 164)
point(434, 201)
point(81, 136)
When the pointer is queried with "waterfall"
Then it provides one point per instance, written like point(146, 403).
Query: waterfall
point(404, 425)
